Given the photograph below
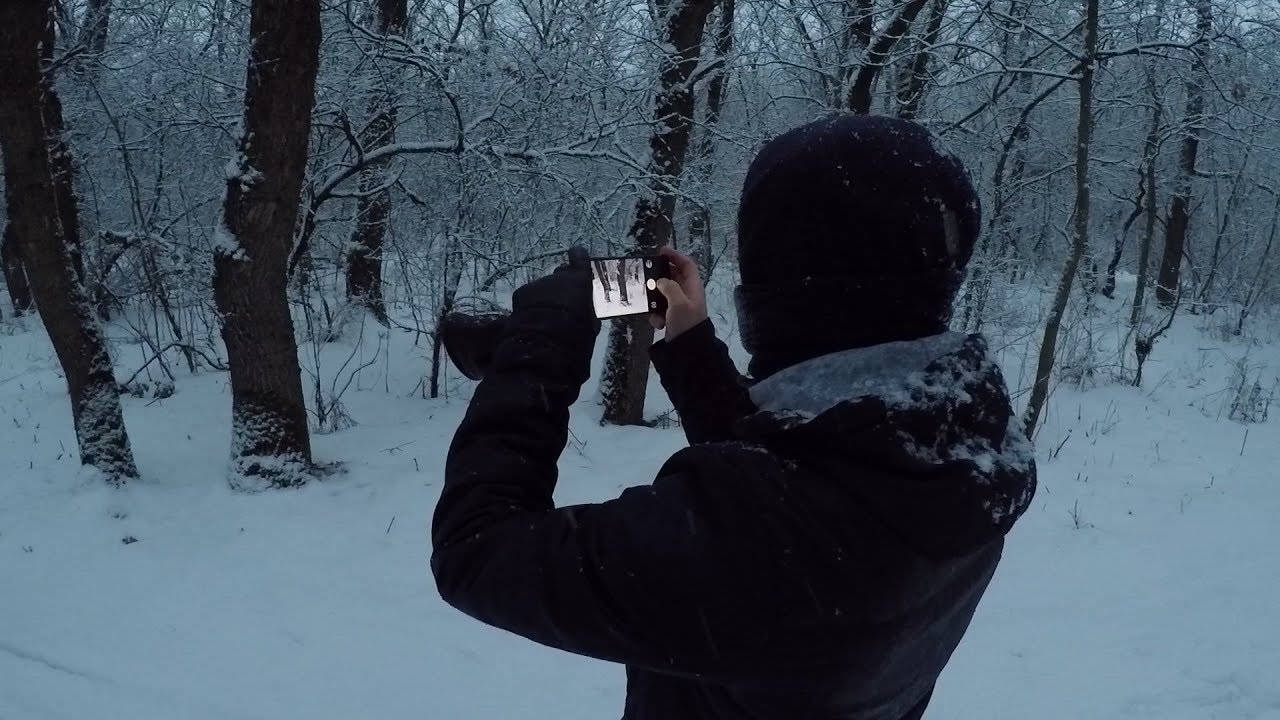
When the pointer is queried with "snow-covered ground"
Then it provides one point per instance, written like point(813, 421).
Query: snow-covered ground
point(1142, 584)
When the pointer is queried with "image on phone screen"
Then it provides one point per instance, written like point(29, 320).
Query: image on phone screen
point(619, 286)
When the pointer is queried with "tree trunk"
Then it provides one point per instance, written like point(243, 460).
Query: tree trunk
point(38, 183)
point(1233, 203)
point(1080, 240)
point(704, 150)
point(626, 368)
point(93, 33)
point(859, 96)
point(1122, 239)
point(15, 275)
point(269, 418)
point(1255, 288)
point(1175, 235)
point(1001, 239)
point(1150, 152)
point(916, 80)
point(859, 25)
point(373, 206)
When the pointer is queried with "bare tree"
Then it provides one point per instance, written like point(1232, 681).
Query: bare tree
point(41, 200)
point(861, 81)
point(93, 33)
point(911, 91)
point(626, 369)
point(1150, 154)
point(1175, 235)
point(703, 162)
point(15, 275)
point(1080, 238)
point(373, 204)
point(270, 440)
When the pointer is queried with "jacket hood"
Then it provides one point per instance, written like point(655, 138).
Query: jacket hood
point(922, 431)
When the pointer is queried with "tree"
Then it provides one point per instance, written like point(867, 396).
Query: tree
point(1175, 234)
point(15, 275)
point(93, 34)
point(1080, 236)
point(373, 204)
point(270, 440)
point(861, 81)
point(626, 369)
point(704, 165)
point(42, 206)
point(916, 81)
point(1150, 154)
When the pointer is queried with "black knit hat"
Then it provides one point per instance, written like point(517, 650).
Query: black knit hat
point(853, 230)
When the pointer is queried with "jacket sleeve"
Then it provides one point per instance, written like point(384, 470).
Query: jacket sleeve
point(649, 579)
point(704, 386)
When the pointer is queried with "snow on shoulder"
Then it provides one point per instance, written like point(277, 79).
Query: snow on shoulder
point(886, 371)
point(939, 400)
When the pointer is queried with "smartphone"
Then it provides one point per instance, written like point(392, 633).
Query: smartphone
point(628, 285)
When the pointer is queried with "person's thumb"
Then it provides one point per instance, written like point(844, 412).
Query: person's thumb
point(672, 291)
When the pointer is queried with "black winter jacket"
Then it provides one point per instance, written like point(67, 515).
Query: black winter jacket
point(815, 554)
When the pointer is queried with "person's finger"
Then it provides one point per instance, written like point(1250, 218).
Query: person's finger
point(657, 321)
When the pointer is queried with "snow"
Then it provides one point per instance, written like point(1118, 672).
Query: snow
point(239, 168)
point(1141, 584)
point(225, 242)
point(889, 371)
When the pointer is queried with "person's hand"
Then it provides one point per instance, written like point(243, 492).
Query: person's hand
point(558, 306)
point(686, 297)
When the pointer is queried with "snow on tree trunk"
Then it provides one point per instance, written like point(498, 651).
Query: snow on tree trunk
point(917, 73)
point(42, 207)
point(93, 32)
point(861, 82)
point(1080, 238)
point(704, 164)
point(373, 206)
point(270, 442)
point(15, 275)
point(626, 369)
point(1175, 235)
point(1150, 154)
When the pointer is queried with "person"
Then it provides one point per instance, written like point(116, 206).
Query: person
point(820, 548)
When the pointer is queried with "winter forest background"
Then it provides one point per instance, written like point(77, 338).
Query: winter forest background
point(456, 148)
point(179, 207)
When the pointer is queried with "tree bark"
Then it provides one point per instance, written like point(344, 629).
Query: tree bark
point(93, 33)
point(1233, 203)
point(269, 441)
point(859, 97)
point(1080, 239)
point(15, 275)
point(626, 368)
point(1149, 154)
point(42, 207)
point(1175, 236)
point(373, 206)
point(704, 149)
point(911, 93)
point(859, 26)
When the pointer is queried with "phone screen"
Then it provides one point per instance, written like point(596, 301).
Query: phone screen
point(627, 285)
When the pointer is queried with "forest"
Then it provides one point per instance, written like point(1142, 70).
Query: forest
point(233, 232)
point(223, 182)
